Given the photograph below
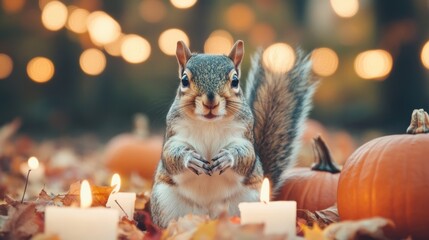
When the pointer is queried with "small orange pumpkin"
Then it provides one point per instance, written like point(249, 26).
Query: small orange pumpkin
point(128, 153)
point(313, 188)
point(389, 177)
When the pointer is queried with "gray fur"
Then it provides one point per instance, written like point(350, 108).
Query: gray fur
point(280, 103)
point(210, 72)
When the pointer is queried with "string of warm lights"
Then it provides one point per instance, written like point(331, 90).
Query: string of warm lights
point(105, 32)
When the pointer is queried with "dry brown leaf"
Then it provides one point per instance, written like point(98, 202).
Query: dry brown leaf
point(100, 195)
point(128, 230)
point(142, 200)
point(23, 222)
point(374, 228)
point(322, 218)
point(44, 199)
point(44, 196)
point(328, 215)
point(144, 222)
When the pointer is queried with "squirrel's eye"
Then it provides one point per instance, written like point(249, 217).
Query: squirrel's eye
point(185, 80)
point(235, 81)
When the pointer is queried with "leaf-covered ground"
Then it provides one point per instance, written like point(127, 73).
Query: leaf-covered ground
point(65, 162)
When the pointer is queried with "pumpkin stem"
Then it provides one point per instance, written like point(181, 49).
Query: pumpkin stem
point(419, 122)
point(323, 159)
point(141, 125)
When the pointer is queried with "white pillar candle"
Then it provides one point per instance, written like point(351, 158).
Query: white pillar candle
point(71, 223)
point(279, 217)
point(124, 202)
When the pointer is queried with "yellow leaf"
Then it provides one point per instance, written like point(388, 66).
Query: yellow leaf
point(312, 233)
point(206, 231)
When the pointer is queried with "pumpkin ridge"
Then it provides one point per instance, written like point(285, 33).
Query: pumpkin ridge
point(306, 193)
point(358, 154)
point(376, 168)
point(407, 198)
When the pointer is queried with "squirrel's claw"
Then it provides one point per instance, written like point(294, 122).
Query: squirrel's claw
point(194, 170)
point(195, 163)
point(222, 162)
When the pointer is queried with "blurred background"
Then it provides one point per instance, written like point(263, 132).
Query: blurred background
point(87, 66)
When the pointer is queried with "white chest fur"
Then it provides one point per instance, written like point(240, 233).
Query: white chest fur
point(208, 138)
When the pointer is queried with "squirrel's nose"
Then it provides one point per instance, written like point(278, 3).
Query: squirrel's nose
point(210, 101)
point(211, 105)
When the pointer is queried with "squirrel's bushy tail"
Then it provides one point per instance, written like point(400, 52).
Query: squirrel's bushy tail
point(280, 103)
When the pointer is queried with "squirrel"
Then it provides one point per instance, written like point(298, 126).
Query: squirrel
point(220, 142)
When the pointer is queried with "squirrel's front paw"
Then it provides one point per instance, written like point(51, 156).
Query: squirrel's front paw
point(197, 164)
point(222, 161)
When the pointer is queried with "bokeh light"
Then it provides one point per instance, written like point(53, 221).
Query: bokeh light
point(345, 8)
point(262, 34)
point(324, 61)
point(168, 40)
point(12, 6)
point(6, 66)
point(77, 20)
point(279, 57)
point(33, 163)
point(183, 4)
point(219, 42)
point(102, 28)
point(135, 49)
point(114, 48)
point(240, 17)
point(152, 10)
point(425, 55)
point(54, 15)
point(42, 3)
point(373, 64)
point(40, 69)
point(92, 61)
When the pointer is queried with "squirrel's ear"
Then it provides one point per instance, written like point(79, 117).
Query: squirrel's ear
point(182, 54)
point(237, 53)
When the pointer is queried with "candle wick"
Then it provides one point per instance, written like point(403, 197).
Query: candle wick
point(265, 202)
point(26, 183)
point(116, 201)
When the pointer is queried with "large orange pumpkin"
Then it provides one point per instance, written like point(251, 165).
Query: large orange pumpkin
point(313, 188)
point(134, 152)
point(389, 177)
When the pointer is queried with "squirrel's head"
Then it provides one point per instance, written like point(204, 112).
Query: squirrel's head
point(209, 84)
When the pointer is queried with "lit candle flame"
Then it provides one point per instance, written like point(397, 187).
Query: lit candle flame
point(85, 194)
point(116, 182)
point(33, 163)
point(265, 191)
